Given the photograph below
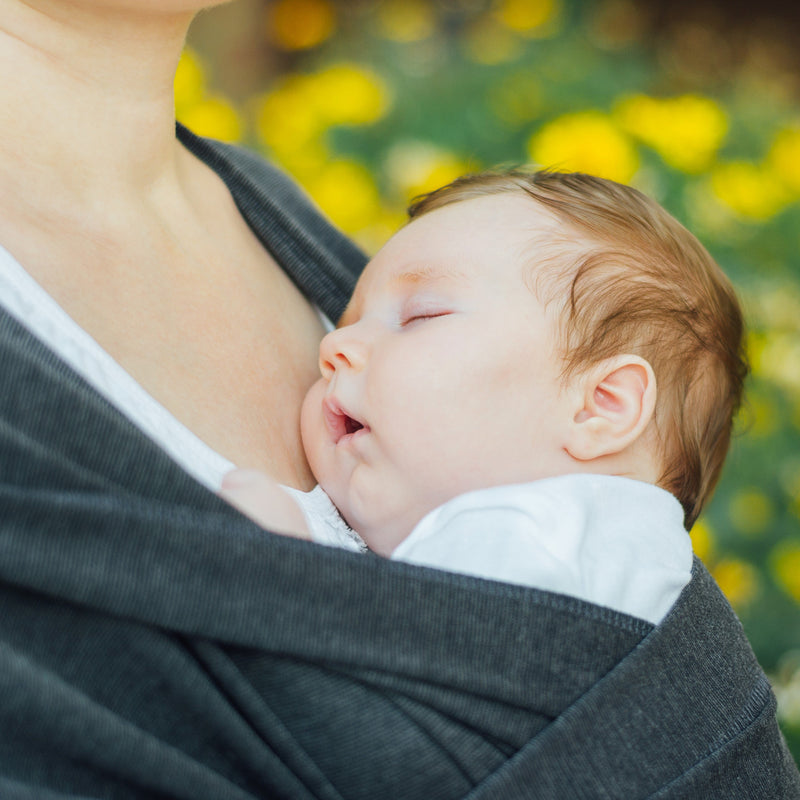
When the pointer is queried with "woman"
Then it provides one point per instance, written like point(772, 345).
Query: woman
point(154, 642)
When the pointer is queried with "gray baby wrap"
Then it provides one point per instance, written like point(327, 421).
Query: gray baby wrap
point(154, 643)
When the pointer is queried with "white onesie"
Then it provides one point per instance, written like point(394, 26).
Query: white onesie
point(613, 541)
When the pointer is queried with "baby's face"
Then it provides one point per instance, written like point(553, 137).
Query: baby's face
point(443, 377)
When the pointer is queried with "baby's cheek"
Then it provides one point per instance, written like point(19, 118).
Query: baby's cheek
point(312, 428)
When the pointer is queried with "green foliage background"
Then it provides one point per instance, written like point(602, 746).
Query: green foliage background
point(369, 103)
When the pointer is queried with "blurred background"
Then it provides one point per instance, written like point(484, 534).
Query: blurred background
point(370, 102)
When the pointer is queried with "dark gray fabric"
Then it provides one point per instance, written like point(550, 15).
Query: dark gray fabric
point(156, 644)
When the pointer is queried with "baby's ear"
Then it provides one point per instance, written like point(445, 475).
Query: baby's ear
point(615, 401)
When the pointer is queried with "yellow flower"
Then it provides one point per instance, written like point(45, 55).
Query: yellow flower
point(300, 108)
point(301, 24)
point(214, 117)
point(738, 581)
point(749, 189)
point(785, 566)
point(304, 162)
point(345, 94)
point(702, 540)
point(406, 20)
point(783, 158)
point(751, 511)
point(287, 119)
point(757, 341)
point(586, 141)
point(685, 131)
point(345, 191)
point(529, 17)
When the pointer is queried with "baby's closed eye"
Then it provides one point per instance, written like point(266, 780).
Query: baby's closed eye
point(419, 308)
point(421, 317)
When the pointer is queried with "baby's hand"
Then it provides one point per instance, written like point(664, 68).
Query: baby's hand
point(265, 502)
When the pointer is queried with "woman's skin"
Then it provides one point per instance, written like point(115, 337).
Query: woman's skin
point(138, 240)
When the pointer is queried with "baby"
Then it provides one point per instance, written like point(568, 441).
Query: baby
point(535, 381)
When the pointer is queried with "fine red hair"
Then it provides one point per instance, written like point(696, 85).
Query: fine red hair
point(631, 279)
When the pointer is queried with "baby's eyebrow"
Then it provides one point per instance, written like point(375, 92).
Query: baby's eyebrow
point(413, 276)
point(427, 274)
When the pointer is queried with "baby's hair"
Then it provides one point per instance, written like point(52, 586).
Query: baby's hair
point(636, 281)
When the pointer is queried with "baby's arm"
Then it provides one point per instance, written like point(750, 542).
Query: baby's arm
point(265, 502)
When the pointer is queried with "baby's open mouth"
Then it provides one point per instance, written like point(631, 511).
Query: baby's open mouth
point(338, 421)
point(351, 425)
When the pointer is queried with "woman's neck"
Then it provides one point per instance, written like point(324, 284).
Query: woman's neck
point(87, 109)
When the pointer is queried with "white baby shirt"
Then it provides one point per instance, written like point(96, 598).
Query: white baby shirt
point(612, 541)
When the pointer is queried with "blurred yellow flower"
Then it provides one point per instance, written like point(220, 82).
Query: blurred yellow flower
point(346, 94)
point(702, 540)
point(214, 117)
point(300, 108)
point(686, 131)
point(783, 158)
point(345, 191)
point(190, 82)
point(585, 141)
point(784, 563)
point(287, 119)
point(414, 168)
point(738, 581)
point(304, 161)
point(778, 359)
point(529, 17)
point(206, 115)
point(749, 189)
point(300, 24)
point(751, 511)
point(406, 20)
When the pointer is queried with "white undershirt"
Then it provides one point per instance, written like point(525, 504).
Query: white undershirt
point(452, 537)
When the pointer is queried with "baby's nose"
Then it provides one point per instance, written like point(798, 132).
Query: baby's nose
point(342, 348)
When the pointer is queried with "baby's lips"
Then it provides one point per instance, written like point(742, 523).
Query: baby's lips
point(338, 420)
point(334, 420)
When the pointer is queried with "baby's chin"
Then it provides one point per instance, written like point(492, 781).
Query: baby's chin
point(382, 533)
